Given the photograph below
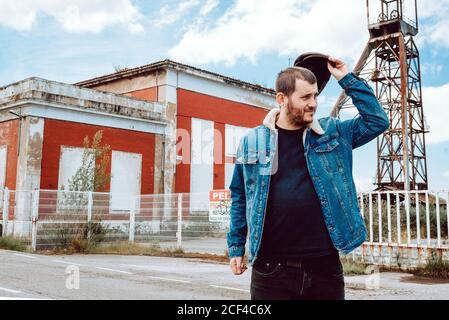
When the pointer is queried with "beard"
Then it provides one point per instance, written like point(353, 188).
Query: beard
point(296, 118)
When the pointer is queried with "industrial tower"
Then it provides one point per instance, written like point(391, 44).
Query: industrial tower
point(390, 61)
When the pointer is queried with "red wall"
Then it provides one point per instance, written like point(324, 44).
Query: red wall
point(221, 111)
point(64, 133)
point(182, 178)
point(9, 137)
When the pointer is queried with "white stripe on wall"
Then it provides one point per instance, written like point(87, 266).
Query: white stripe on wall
point(202, 163)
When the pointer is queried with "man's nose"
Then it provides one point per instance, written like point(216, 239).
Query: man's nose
point(312, 106)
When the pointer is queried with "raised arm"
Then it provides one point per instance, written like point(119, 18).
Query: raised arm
point(371, 120)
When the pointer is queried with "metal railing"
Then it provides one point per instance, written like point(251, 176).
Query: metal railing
point(55, 218)
point(403, 227)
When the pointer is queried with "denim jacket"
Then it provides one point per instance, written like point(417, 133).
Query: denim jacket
point(328, 144)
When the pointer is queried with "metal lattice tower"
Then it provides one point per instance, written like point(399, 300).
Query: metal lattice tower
point(390, 62)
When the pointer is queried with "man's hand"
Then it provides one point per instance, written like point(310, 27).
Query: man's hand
point(337, 68)
point(237, 265)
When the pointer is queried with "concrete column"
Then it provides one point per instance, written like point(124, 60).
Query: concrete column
point(170, 148)
point(28, 172)
point(159, 163)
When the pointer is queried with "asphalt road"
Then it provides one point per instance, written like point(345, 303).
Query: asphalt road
point(31, 276)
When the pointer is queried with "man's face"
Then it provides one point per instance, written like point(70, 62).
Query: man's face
point(302, 104)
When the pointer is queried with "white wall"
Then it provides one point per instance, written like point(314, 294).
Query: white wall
point(233, 135)
point(3, 160)
point(202, 163)
point(126, 173)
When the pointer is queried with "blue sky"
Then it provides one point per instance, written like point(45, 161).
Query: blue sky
point(251, 40)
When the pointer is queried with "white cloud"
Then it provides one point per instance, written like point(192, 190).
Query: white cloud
point(287, 27)
point(208, 6)
point(433, 8)
point(136, 28)
point(363, 184)
point(446, 174)
point(436, 112)
point(437, 15)
point(73, 15)
point(431, 68)
point(168, 15)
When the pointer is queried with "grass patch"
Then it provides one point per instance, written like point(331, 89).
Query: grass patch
point(351, 268)
point(11, 243)
point(125, 248)
point(435, 267)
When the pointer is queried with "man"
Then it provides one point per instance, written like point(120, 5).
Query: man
point(292, 187)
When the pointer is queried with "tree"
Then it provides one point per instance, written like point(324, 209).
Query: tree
point(92, 175)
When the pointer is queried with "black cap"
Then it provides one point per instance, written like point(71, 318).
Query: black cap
point(317, 63)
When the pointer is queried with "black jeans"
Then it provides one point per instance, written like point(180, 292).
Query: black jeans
point(311, 279)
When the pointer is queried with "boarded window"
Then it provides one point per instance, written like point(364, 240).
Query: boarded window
point(126, 172)
point(2, 167)
point(70, 161)
point(202, 166)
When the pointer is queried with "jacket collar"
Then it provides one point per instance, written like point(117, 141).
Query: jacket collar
point(270, 121)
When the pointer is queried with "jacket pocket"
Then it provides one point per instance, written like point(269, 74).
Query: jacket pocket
point(327, 146)
point(329, 156)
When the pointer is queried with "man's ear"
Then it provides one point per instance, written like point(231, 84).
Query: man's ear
point(281, 99)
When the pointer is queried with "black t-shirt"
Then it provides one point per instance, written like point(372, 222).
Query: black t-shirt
point(294, 224)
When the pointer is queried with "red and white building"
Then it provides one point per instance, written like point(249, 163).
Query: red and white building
point(172, 128)
point(212, 112)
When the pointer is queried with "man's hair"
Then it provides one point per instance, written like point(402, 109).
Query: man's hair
point(286, 80)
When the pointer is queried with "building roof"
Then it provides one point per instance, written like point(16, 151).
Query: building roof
point(42, 91)
point(169, 64)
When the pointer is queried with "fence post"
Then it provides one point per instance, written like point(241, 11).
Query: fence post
point(89, 214)
point(5, 212)
point(34, 218)
point(389, 217)
point(398, 219)
point(427, 219)
point(371, 235)
point(418, 223)
point(132, 219)
point(437, 207)
point(179, 232)
point(447, 214)
point(379, 212)
point(407, 216)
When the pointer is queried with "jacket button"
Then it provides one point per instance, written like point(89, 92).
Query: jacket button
point(260, 209)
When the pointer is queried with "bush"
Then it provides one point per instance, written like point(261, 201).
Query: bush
point(435, 267)
point(79, 246)
point(351, 267)
point(11, 243)
point(78, 237)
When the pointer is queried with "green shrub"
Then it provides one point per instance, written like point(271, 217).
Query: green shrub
point(11, 243)
point(435, 267)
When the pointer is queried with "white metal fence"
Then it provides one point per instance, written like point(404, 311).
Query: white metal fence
point(403, 227)
point(47, 218)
